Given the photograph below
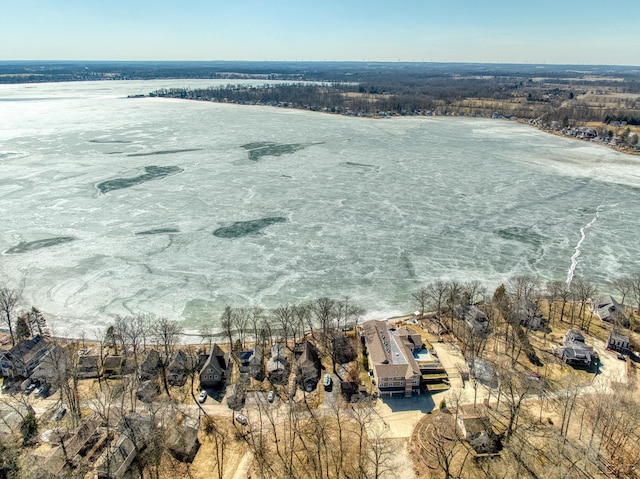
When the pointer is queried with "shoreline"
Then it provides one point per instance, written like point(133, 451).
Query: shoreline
point(429, 113)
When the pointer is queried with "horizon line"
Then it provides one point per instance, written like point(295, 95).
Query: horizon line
point(523, 63)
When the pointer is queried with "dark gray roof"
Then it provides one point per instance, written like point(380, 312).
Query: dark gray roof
point(605, 306)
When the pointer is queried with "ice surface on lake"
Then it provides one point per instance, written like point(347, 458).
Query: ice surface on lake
point(335, 206)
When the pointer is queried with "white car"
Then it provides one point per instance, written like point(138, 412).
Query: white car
point(202, 397)
point(241, 419)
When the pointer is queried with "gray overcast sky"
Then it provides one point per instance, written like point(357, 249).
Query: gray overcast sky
point(515, 31)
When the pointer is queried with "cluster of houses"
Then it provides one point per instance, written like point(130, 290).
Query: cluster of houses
point(400, 364)
point(609, 310)
point(526, 312)
point(110, 449)
point(39, 361)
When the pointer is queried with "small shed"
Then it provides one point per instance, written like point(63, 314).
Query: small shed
point(477, 431)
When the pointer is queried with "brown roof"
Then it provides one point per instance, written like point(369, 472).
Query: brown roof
point(390, 352)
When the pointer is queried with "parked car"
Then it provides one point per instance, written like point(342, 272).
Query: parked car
point(271, 396)
point(43, 391)
point(202, 397)
point(60, 413)
point(241, 419)
point(327, 381)
point(30, 388)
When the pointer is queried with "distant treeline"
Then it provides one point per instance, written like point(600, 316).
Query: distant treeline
point(546, 93)
point(629, 119)
point(474, 97)
point(379, 73)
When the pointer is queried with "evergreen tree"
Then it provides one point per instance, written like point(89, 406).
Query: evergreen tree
point(9, 468)
point(38, 323)
point(22, 328)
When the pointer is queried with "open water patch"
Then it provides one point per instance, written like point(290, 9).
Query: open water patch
point(151, 173)
point(26, 246)
point(157, 231)
point(259, 149)
point(246, 228)
point(164, 152)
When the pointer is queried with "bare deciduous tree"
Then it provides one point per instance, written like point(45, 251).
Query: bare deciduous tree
point(624, 286)
point(442, 444)
point(226, 323)
point(8, 303)
point(240, 322)
point(323, 311)
point(438, 293)
point(421, 298)
point(583, 291)
point(514, 388)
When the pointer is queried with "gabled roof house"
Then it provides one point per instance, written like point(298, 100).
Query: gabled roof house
point(214, 370)
point(22, 359)
point(277, 366)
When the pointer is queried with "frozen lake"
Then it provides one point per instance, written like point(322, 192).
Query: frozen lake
point(116, 206)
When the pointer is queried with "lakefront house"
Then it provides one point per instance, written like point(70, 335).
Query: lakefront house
point(394, 369)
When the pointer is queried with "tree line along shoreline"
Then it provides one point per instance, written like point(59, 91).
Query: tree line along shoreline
point(293, 321)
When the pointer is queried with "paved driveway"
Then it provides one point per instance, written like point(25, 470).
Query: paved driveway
point(453, 361)
point(402, 414)
point(330, 396)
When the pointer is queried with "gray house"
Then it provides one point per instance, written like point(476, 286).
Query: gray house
point(178, 368)
point(23, 358)
point(113, 365)
point(85, 436)
point(88, 367)
point(529, 315)
point(251, 363)
point(214, 371)
point(475, 319)
point(53, 365)
point(307, 365)
point(116, 462)
point(183, 443)
point(149, 366)
point(574, 350)
point(277, 366)
point(477, 431)
point(607, 308)
point(618, 342)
